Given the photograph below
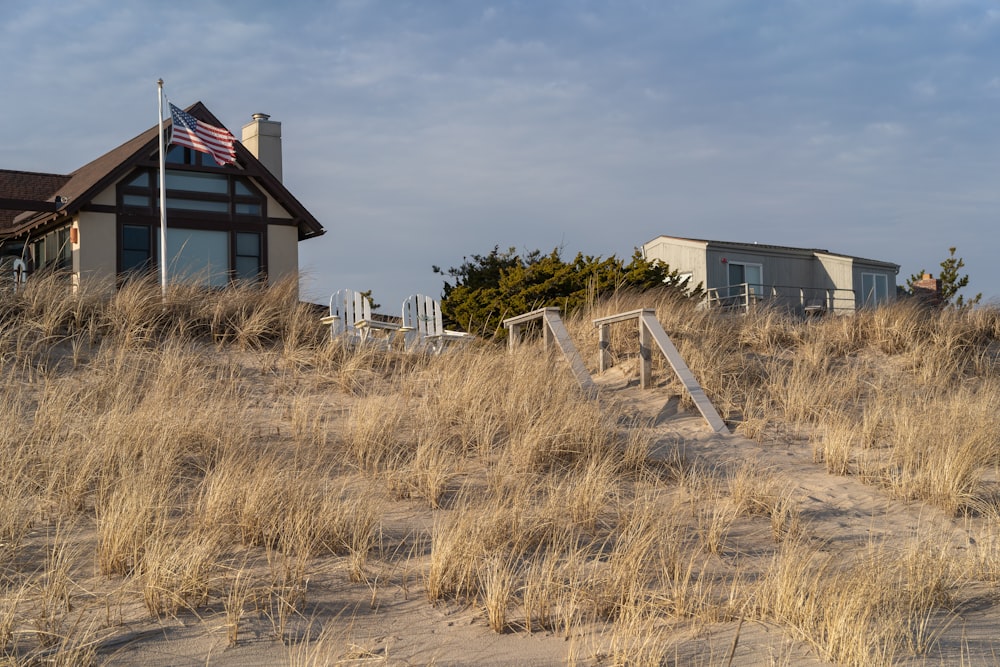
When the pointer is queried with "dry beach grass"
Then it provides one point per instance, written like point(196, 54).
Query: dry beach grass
point(209, 480)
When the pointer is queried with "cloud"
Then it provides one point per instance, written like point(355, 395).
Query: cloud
point(886, 129)
point(924, 89)
point(422, 132)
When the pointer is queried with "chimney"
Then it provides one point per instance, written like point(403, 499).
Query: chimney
point(928, 290)
point(262, 137)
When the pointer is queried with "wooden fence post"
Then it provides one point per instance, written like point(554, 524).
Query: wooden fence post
point(604, 346)
point(645, 357)
point(513, 336)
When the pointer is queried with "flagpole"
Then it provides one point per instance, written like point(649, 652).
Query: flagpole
point(163, 200)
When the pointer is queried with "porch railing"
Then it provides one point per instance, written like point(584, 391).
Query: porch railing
point(802, 300)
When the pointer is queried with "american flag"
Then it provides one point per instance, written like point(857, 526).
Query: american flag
point(191, 132)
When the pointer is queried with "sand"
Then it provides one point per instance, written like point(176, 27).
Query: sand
point(388, 619)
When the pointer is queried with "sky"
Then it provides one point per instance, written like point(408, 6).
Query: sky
point(421, 132)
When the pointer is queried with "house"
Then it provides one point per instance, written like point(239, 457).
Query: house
point(806, 280)
point(101, 222)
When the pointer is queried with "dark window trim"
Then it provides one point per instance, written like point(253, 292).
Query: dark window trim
point(230, 222)
point(261, 257)
point(153, 225)
point(152, 195)
point(200, 160)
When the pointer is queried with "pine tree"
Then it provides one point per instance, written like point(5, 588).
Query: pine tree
point(485, 289)
point(951, 282)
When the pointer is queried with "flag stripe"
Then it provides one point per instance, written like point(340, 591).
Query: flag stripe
point(190, 132)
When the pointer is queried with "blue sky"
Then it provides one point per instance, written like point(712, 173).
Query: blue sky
point(420, 132)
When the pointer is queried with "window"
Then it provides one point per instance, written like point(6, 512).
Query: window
point(874, 289)
point(247, 256)
point(207, 257)
point(220, 195)
point(181, 204)
point(140, 179)
point(198, 256)
point(751, 274)
point(184, 155)
point(136, 248)
point(137, 201)
point(217, 224)
point(194, 181)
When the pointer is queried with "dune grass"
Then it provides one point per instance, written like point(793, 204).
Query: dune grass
point(216, 453)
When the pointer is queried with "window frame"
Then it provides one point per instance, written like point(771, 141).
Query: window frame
point(757, 288)
point(234, 223)
point(871, 298)
point(130, 195)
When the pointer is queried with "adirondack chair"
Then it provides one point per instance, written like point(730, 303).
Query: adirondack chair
point(423, 328)
point(351, 321)
point(346, 308)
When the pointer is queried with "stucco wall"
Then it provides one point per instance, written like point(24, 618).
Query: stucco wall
point(282, 251)
point(95, 258)
point(274, 209)
point(106, 198)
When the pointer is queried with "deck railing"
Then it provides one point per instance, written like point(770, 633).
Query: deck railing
point(802, 300)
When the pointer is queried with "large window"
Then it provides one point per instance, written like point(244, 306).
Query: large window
point(203, 256)
point(874, 289)
point(216, 224)
point(190, 193)
point(198, 256)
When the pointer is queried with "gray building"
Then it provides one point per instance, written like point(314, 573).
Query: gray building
point(806, 280)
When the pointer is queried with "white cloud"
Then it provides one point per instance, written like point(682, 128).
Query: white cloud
point(886, 129)
point(420, 133)
point(924, 89)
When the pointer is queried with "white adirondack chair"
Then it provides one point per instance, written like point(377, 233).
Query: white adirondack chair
point(351, 321)
point(423, 328)
point(347, 307)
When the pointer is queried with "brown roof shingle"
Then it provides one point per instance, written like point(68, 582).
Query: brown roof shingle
point(19, 188)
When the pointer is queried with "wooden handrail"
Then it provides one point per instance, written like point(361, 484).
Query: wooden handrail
point(528, 317)
point(552, 330)
point(650, 328)
point(650, 331)
point(622, 317)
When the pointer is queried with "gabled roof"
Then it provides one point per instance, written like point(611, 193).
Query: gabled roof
point(27, 190)
point(775, 248)
point(81, 186)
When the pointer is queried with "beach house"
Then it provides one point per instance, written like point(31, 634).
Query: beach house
point(100, 223)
